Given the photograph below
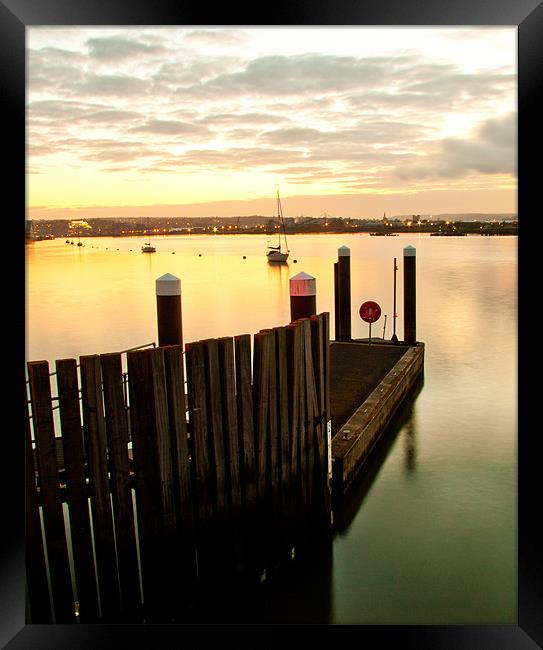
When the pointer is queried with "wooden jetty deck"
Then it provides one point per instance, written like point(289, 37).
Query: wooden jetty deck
point(368, 383)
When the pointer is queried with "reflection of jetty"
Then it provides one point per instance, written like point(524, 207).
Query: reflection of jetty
point(202, 466)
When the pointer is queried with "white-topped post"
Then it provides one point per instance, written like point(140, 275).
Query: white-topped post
point(168, 303)
point(303, 296)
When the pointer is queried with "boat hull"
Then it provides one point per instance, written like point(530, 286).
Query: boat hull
point(277, 257)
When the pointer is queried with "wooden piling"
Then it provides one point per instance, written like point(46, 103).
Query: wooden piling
point(169, 310)
point(303, 296)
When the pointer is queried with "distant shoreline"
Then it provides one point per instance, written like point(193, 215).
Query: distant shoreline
point(70, 230)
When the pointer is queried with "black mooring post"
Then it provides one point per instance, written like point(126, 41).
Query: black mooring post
point(394, 338)
point(303, 296)
point(409, 295)
point(168, 309)
point(344, 293)
point(337, 315)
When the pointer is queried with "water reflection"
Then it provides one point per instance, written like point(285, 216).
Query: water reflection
point(410, 443)
point(347, 507)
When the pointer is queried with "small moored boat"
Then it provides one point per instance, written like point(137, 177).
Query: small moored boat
point(279, 253)
point(147, 247)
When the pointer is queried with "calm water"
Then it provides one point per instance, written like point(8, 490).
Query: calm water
point(432, 537)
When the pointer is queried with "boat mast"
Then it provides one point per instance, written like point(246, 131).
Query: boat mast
point(280, 212)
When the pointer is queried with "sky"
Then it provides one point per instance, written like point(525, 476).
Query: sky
point(213, 121)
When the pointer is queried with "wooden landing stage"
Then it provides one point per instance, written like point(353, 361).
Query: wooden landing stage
point(368, 382)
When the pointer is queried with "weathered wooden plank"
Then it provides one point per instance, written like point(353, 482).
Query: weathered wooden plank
point(53, 516)
point(120, 482)
point(303, 500)
point(283, 438)
point(215, 428)
point(317, 349)
point(76, 488)
point(244, 397)
point(164, 456)
point(170, 567)
point(36, 571)
point(146, 474)
point(173, 359)
point(199, 440)
point(311, 411)
point(273, 454)
point(326, 365)
point(337, 312)
point(181, 463)
point(294, 376)
point(282, 404)
point(322, 488)
point(327, 412)
point(102, 517)
point(230, 425)
point(261, 373)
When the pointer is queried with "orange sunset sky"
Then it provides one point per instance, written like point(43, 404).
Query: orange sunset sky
point(200, 121)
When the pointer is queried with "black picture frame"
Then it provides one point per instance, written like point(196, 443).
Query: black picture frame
point(15, 16)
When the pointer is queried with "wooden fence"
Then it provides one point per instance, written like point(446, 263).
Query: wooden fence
point(139, 500)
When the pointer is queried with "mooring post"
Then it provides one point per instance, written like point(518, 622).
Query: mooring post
point(394, 338)
point(409, 295)
point(303, 296)
point(344, 293)
point(337, 319)
point(168, 305)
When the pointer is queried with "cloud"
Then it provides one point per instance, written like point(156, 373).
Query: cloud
point(169, 127)
point(222, 37)
point(51, 111)
point(491, 151)
point(110, 85)
point(117, 47)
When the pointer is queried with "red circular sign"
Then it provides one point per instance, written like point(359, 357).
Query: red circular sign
point(370, 311)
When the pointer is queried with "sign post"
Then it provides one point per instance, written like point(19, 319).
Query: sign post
point(370, 312)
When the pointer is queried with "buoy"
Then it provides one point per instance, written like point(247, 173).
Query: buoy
point(199, 254)
point(295, 261)
point(244, 257)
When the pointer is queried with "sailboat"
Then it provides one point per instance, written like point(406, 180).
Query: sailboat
point(279, 253)
point(147, 248)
